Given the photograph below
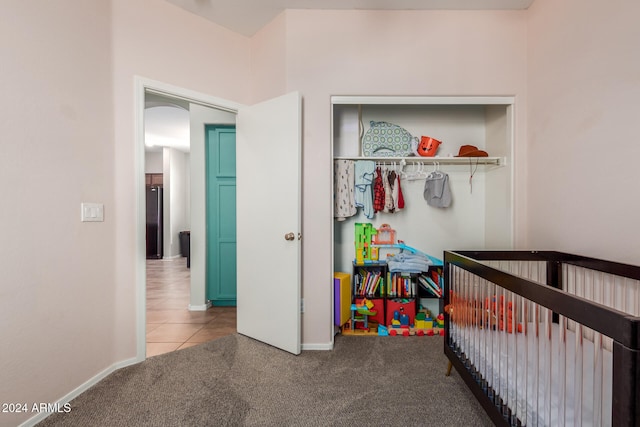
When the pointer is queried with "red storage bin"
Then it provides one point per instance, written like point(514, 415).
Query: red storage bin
point(405, 306)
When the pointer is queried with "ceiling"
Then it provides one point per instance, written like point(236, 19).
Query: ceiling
point(248, 16)
point(167, 119)
point(166, 123)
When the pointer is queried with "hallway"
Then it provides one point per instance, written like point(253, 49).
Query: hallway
point(170, 325)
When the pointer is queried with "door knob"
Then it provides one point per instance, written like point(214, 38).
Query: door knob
point(289, 236)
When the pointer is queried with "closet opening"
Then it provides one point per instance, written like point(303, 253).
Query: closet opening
point(464, 142)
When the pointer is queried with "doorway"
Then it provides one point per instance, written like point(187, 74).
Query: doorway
point(205, 109)
point(268, 133)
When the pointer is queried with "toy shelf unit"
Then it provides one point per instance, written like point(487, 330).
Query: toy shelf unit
point(369, 288)
point(393, 300)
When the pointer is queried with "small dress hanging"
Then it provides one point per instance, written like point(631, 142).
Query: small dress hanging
point(436, 190)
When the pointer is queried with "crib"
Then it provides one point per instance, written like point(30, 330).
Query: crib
point(545, 338)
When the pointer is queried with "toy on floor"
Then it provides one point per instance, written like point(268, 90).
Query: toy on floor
point(360, 314)
point(411, 331)
point(400, 319)
point(440, 320)
point(423, 323)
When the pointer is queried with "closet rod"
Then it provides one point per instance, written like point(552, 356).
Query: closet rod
point(495, 161)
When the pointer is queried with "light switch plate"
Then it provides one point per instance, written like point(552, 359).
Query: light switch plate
point(92, 212)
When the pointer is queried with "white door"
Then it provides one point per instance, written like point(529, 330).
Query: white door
point(268, 158)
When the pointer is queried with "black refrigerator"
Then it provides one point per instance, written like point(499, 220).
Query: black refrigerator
point(154, 222)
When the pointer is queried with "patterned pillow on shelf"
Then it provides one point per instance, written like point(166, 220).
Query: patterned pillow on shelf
point(388, 140)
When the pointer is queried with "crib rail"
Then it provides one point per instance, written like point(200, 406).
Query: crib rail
point(545, 338)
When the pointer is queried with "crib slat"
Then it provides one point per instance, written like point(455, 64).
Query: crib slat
point(548, 365)
point(577, 376)
point(562, 404)
point(597, 379)
point(525, 362)
point(597, 358)
point(536, 378)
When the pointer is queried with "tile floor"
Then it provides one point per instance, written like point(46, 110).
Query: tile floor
point(170, 325)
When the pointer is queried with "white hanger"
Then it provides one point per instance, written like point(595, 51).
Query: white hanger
point(423, 172)
point(436, 173)
point(414, 174)
point(403, 174)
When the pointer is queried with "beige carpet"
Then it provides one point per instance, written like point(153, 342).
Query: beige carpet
point(234, 381)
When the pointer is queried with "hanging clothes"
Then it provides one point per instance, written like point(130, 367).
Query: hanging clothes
point(388, 192)
point(364, 172)
point(344, 189)
point(436, 190)
point(399, 199)
point(378, 192)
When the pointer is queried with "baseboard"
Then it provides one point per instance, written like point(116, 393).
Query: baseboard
point(172, 256)
point(80, 389)
point(317, 346)
point(202, 307)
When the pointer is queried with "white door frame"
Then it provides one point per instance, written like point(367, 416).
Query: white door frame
point(141, 86)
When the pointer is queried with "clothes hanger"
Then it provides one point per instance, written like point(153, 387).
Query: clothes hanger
point(403, 174)
point(414, 174)
point(423, 172)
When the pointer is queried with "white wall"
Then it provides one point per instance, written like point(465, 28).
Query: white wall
point(583, 68)
point(187, 162)
point(57, 295)
point(395, 53)
point(175, 194)
point(68, 293)
point(180, 209)
point(269, 60)
point(153, 162)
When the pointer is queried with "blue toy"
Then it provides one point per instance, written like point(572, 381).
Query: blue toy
point(400, 245)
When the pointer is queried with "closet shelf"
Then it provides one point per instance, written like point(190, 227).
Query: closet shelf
point(495, 161)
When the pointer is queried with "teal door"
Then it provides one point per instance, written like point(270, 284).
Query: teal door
point(221, 214)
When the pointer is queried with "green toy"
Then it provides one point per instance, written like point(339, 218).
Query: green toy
point(363, 235)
